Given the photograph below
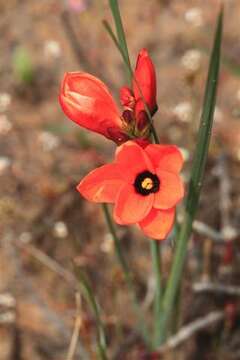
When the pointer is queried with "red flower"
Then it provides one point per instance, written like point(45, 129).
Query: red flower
point(144, 185)
point(87, 101)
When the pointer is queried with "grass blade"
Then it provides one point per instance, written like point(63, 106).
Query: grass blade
point(195, 185)
point(116, 42)
point(94, 306)
point(121, 35)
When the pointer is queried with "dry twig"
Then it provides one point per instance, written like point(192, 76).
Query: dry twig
point(206, 230)
point(216, 288)
point(189, 330)
point(48, 262)
point(11, 247)
point(225, 202)
point(77, 326)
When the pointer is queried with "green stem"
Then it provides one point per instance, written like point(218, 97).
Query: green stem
point(154, 133)
point(117, 246)
point(121, 44)
point(176, 315)
point(126, 272)
point(156, 262)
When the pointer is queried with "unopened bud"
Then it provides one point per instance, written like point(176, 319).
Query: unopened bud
point(230, 314)
point(128, 117)
point(127, 98)
point(228, 254)
point(117, 136)
point(142, 120)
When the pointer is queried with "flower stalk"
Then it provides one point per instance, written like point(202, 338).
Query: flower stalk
point(156, 262)
point(127, 274)
point(121, 44)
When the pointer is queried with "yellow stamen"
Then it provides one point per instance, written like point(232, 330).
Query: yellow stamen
point(147, 184)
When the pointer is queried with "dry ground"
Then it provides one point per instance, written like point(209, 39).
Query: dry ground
point(43, 156)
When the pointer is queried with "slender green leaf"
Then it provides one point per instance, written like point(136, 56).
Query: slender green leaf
point(23, 66)
point(118, 45)
point(227, 62)
point(195, 185)
point(120, 34)
point(95, 308)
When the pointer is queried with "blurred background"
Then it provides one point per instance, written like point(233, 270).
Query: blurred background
point(46, 228)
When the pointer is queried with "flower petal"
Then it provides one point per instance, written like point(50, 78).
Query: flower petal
point(131, 207)
point(87, 101)
point(133, 160)
point(165, 157)
point(142, 142)
point(171, 190)
point(146, 80)
point(158, 223)
point(101, 184)
point(126, 97)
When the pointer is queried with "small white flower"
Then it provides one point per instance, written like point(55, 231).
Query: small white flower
point(218, 115)
point(238, 155)
point(4, 164)
point(5, 125)
point(7, 317)
point(183, 111)
point(185, 154)
point(194, 16)
point(191, 60)
point(48, 141)
point(107, 244)
point(5, 101)
point(52, 49)
point(238, 95)
point(229, 233)
point(60, 229)
point(77, 5)
point(7, 300)
point(25, 237)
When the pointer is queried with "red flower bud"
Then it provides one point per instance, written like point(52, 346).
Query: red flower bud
point(128, 117)
point(88, 102)
point(142, 120)
point(228, 254)
point(117, 136)
point(145, 80)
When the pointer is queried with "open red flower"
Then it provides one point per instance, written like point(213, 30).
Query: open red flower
point(87, 101)
point(144, 185)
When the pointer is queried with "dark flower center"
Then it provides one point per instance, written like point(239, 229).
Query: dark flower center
point(146, 183)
